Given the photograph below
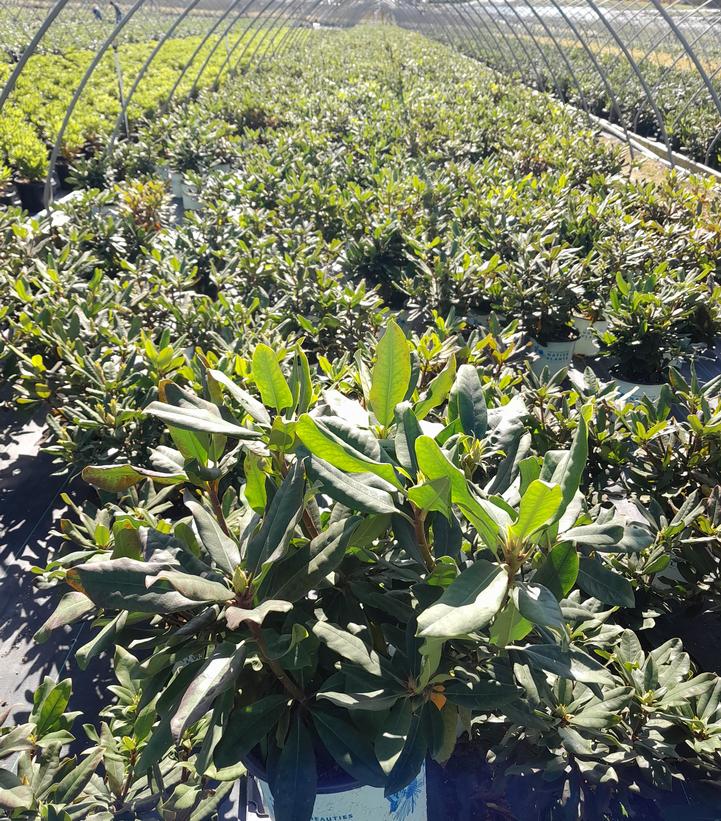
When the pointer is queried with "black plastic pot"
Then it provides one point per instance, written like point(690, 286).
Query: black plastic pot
point(9, 196)
point(32, 196)
point(330, 780)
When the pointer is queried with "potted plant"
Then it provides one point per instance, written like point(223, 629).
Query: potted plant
point(29, 159)
point(542, 288)
point(589, 318)
point(296, 608)
point(8, 193)
point(645, 316)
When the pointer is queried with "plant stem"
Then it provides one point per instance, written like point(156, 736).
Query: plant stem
point(291, 687)
point(419, 518)
point(217, 508)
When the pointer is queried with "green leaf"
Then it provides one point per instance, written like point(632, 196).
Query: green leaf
point(117, 478)
point(215, 676)
point(267, 375)
point(482, 695)
point(312, 563)
point(434, 464)
point(280, 521)
point(50, 701)
point(467, 402)
point(595, 535)
point(200, 420)
point(247, 726)
point(438, 389)
point(295, 778)
point(120, 584)
point(559, 571)
point(412, 757)
point(509, 626)
point(250, 404)
point(408, 429)
point(573, 663)
point(326, 445)
point(255, 490)
point(193, 587)
point(349, 749)
point(389, 744)
point(235, 616)
point(222, 549)
point(348, 647)
point(537, 604)
point(433, 495)
point(568, 470)
point(539, 505)
point(391, 373)
point(470, 602)
point(604, 584)
point(71, 608)
point(356, 492)
point(70, 787)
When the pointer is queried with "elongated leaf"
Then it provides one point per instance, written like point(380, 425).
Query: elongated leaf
point(120, 584)
point(408, 429)
point(509, 626)
point(435, 465)
point(468, 403)
point(235, 616)
point(438, 389)
point(352, 491)
point(468, 604)
point(392, 739)
point(216, 675)
point(78, 778)
point(559, 571)
point(595, 535)
point(280, 522)
point(391, 373)
point(604, 584)
point(267, 375)
point(117, 478)
point(539, 504)
point(412, 757)
point(433, 495)
point(255, 409)
point(50, 701)
point(573, 664)
point(349, 647)
point(71, 607)
point(479, 695)
point(326, 445)
point(569, 469)
point(324, 554)
point(349, 749)
point(247, 726)
point(197, 419)
point(193, 587)
point(223, 549)
point(537, 604)
point(294, 779)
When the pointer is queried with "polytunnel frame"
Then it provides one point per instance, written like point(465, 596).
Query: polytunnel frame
point(460, 22)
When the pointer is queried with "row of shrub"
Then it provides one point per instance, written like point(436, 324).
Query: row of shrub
point(339, 516)
point(32, 117)
point(690, 119)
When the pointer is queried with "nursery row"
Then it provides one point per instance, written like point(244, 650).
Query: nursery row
point(610, 89)
point(343, 528)
point(32, 118)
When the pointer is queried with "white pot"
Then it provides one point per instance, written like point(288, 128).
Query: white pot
point(163, 172)
point(634, 392)
point(587, 344)
point(364, 803)
point(190, 198)
point(176, 183)
point(554, 355)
